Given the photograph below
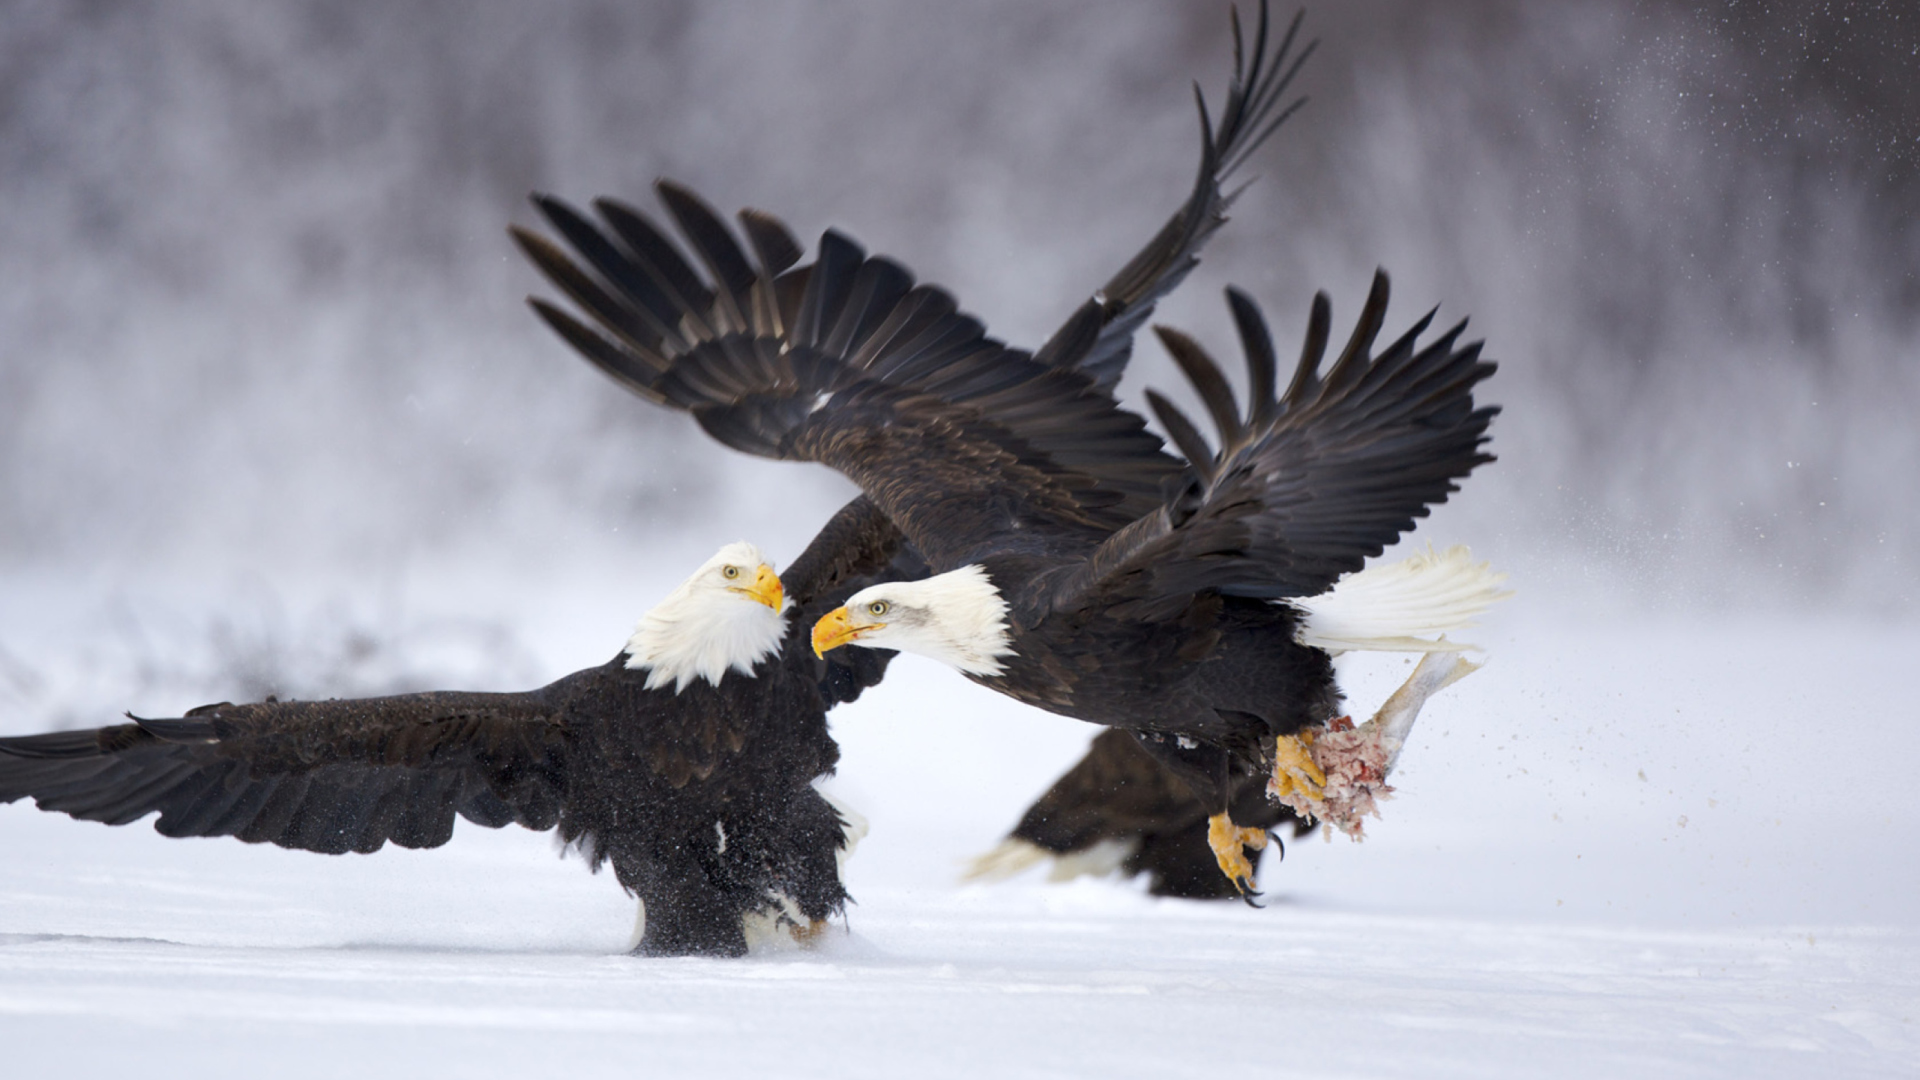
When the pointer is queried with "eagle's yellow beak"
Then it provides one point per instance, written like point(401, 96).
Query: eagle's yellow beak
point(766, 588)
point(835, 629)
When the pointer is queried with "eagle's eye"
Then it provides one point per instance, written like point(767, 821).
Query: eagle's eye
point(731, 572)
point(877, 608)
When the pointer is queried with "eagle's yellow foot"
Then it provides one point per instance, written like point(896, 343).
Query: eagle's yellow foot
point(1294, 771)
point(809, 935)
point(1229, 843)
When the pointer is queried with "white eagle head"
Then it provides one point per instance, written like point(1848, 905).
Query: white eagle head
point(731, 614)
point(958, 618)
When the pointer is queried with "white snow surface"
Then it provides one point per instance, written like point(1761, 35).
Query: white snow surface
point(274, 418)
point(1654, 848)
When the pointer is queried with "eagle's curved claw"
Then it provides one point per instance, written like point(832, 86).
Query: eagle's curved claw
point(1229, 843)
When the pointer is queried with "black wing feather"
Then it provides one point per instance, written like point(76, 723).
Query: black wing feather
point(773, 245)
point(680, 289)
point(865, 318)
point(859, 546)
point(635, 306)
point(329, 776)
point(1307, 487)
point(1249, 117)
point(896, 375)
point(714, 244)
point(1184, 433)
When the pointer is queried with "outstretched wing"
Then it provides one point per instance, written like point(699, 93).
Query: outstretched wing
point(327, 776)
point(960, 441)
point(1251, 113)
point(1311, 482)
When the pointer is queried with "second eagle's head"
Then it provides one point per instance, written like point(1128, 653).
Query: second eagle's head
point(958, 618)
point(730, 615)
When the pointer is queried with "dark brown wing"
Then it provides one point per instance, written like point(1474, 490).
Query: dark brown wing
point(1124, 303)
point(1120, 793)
point(1116, 792)
point(1310, 483)
point(857, 547)
point(846, 361)
point(328, 776)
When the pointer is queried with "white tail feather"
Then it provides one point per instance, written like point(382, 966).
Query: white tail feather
point(1008, 858)
point(1103, 858)
point(1014, 855)
point(1402, 606)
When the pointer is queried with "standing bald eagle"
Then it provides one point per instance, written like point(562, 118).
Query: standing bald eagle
point(686, 762)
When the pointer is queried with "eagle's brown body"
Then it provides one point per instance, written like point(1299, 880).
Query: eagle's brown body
point(1221, 673)
point(1215, 655)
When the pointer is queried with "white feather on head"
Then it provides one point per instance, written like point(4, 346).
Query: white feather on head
point(958, 618)
point(707, 625)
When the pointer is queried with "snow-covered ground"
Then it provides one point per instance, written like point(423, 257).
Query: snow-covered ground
point(264, 976)
point(274, 418)
point(1659, 849)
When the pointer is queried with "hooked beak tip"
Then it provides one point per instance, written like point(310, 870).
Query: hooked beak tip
point(834, 629)
point(768, 590)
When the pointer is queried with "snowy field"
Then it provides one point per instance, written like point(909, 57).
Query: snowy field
point(1625, 849)
point(274, 418)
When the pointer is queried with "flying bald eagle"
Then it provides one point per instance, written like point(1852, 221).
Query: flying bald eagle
point(1206, 624)
point(687, 762)
point(1076, 565)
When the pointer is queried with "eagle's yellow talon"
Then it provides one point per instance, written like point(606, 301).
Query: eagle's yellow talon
point(1229, 843)
point(1294, 770)
point(810, 935)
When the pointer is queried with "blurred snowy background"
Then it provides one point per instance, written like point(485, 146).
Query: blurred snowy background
point(274, 417)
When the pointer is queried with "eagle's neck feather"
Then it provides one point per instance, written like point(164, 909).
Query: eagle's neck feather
point(701, 634)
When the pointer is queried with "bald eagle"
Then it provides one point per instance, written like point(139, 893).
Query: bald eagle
point(687, 762)
point(1119, 809)
point(1075, 564)
point(1204, 624)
